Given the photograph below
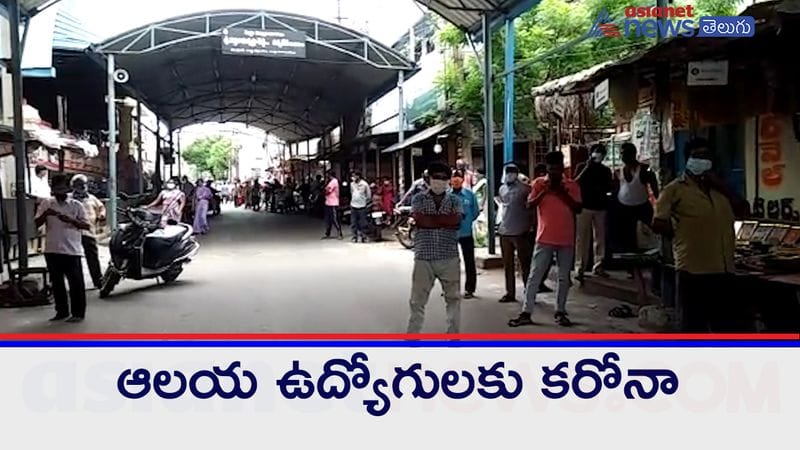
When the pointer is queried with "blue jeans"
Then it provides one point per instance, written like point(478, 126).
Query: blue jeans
point(542, 257)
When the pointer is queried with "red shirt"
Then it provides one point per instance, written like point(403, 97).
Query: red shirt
point(556, 219)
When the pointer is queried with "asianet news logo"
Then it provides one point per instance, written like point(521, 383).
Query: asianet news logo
point(647, 21)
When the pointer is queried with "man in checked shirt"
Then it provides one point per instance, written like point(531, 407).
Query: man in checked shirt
point(438, 215)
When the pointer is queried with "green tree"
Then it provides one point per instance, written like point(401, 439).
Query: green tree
point(551, 42)
point(212, 154)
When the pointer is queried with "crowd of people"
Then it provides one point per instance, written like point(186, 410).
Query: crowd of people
point(553, 218)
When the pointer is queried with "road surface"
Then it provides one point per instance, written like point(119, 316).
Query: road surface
point(265, 273)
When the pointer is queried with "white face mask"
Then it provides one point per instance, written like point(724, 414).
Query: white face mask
point(438, 187)
point(511, 177)
point(170, 186)
point(697, 166)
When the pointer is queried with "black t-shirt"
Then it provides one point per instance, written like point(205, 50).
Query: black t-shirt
point(595, 183)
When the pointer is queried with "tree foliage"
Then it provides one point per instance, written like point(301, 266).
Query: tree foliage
point(548, 40)
point(213, 154)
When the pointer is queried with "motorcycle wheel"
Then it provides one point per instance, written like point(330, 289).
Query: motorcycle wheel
point(172, 274)
point(405, 235)
point(110, 280)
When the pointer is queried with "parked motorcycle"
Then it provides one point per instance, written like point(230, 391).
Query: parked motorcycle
point(141, 249)
point(404, 226)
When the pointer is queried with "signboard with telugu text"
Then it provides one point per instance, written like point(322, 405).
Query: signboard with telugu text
point(256, 42)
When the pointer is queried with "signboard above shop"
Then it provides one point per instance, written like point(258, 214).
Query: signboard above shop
point(257, 42)
point(707, 73)
point(601, 94)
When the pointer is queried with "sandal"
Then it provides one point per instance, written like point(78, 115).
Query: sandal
point(562, 319)
point(621, 312)
point(523, 320)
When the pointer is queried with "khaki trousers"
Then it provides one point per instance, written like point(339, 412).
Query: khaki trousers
point(589, 221)
point(448, 272)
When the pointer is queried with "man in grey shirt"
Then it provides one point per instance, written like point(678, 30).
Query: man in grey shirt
point(360, 196)
point(515, 224)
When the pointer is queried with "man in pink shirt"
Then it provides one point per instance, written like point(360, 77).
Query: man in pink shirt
point(332, 205)
point(558, 200)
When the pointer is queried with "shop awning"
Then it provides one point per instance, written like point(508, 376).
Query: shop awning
point(567, 83)
point(422, 136)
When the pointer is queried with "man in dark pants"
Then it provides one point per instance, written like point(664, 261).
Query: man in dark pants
point(465, 239)
point(360, 198)
point(331, 192)
point(515, 224)
point(95, 212)
point(697, 209)
point(65, 219)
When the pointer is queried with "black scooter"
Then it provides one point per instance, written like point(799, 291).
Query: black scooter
point(141, 249)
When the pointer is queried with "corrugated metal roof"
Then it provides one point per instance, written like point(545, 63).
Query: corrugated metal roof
point(71, 34)
point(565, 83)
point(467, 14)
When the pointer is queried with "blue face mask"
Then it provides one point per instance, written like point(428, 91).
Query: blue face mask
point(697, 166)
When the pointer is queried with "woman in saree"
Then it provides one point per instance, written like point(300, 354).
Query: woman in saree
point(169, 203)
point(202, 198)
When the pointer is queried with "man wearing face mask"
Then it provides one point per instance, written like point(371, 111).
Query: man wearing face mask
point(65, 219)
point(515, 223)
point(438, 214)
point(595, 180)
point(557, 200)
point(95, 213)
point(697, 210)
point(360, 197)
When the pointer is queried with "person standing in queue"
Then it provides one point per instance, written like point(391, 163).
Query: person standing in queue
point(539, 171)
point(65, 220)
point(557, 200)
point(360, 197)
point(332, 206)
point(438, 215)
point(169, 203)
point(697, 211)
point(596, 182)
point(515, 224)
point(469, 176)
point(187, 187)
point(466, 240)
point(202, 201)
point(95, 213)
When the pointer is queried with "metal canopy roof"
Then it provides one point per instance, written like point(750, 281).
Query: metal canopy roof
point(177, 67)
point(468, 14)
point(31, 7)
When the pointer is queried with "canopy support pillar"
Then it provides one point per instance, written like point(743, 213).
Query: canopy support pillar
point(488, 131)
point(508, 101)
point(401, 128)
point(112, 143)
point(139, 173)
point(20, 152)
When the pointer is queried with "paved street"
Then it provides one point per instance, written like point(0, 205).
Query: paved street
point(263, 273)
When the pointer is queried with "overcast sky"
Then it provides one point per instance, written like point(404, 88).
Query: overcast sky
point(386, 20)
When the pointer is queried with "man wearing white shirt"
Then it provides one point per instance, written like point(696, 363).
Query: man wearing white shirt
point(65, 219)
point(360, 196)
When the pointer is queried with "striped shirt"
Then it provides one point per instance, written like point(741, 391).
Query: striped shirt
point(436, 244)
